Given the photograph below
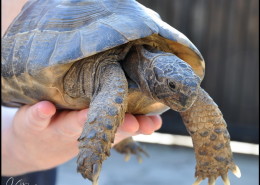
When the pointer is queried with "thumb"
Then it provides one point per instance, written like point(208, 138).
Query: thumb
point(37, 117)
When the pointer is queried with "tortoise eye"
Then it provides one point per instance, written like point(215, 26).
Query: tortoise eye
point(172, 85)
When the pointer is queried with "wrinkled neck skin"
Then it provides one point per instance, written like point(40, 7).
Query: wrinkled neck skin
point(83, 78)
point(138, 70)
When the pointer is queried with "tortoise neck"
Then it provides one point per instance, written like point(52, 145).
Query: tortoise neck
point(137, 68)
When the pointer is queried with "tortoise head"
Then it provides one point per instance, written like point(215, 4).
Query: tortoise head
point(171, 80)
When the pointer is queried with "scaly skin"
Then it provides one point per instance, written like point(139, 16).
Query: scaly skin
point(207, 127)
point(128, 146)
point(106, 113)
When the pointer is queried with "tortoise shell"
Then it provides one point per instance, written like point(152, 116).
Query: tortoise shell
point(48, 37)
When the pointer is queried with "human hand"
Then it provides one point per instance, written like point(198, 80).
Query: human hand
point(40, 137)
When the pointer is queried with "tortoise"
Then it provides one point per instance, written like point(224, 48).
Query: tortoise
point(113, 57)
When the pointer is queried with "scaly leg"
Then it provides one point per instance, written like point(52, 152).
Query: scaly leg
point(106, 113)
point(128, 146)
point(207, 127)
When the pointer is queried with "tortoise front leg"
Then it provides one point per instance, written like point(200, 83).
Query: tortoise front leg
point(207, 127)
point(106, 113)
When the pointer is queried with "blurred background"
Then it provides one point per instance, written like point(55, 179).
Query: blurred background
point(227, 34)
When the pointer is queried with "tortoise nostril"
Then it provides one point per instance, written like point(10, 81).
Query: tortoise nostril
point(172, 85)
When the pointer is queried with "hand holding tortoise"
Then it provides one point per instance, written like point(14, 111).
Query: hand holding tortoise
point(39, 137)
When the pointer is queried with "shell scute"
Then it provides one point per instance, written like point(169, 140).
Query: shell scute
point(68, 48)
point(41, 50)
point(105, 38)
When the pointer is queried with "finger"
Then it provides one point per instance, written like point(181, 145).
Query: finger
point(36, 117)
point(70, 123)
point(146, 125)
point(157, 121)
point(130, 124)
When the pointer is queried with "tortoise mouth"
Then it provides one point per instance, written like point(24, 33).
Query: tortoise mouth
point(178, 103)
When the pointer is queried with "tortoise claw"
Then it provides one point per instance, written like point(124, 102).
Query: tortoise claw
point(89, 169)
point(91, 174)
point(138, 156)
point(236, 171)
point(225, 179)
point(128, 147)
point(136, 150)
point(127, 156)
point(211, 181)
point(198, 181)
point(95, 173)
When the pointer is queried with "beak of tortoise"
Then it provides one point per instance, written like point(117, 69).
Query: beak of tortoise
point(183, 100)
point(181, 103)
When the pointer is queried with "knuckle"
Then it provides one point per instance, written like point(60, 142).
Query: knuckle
point(33, 120)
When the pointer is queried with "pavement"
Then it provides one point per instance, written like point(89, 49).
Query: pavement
point(166, 165)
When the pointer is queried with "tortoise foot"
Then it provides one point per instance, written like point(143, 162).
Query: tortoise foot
point(128, 147)
point(89, 165)
point(212, 176)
